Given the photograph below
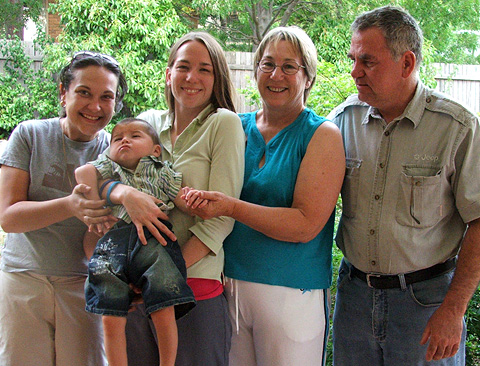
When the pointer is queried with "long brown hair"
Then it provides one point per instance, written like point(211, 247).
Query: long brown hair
point(223, 91)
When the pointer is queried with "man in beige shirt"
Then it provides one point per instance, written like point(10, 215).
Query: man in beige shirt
point(411, 206)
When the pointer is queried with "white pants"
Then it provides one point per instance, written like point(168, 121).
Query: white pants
point(43, 322)
point(275, 325)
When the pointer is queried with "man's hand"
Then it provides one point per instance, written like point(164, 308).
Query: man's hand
point(443, 334)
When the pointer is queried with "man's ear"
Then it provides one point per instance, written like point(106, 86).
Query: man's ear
point(409, 63)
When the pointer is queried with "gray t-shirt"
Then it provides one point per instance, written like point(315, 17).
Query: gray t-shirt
point(40, 148)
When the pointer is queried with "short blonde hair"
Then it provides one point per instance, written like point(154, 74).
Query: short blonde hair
point(302, 44)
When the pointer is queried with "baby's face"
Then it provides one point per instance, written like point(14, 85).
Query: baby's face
point(130, 143)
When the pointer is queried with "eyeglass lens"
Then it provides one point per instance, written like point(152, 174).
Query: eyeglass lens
point(288, 68)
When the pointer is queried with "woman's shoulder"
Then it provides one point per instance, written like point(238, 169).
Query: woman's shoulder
point(319, 122)
point(157, 118)
point(226, 113)
point(153, 114)
point(37, 126)
point(312, 118)
point(247, 115)
point(312, 122)
point(40, 123)
point(225, 116)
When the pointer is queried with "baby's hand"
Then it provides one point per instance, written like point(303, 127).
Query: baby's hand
point(101, 228)
point(193, 198)
point(96, 228)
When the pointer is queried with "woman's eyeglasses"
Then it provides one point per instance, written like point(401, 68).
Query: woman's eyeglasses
point(289, 67)
point(88, 54)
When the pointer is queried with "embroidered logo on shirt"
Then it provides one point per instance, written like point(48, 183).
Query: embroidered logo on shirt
point(425, 157)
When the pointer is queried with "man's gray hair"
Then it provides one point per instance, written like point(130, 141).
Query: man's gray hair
point(399, 28)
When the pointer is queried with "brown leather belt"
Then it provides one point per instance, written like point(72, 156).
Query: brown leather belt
point(383, 282)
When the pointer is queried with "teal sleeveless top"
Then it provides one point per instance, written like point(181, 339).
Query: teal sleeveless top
point(254, 257)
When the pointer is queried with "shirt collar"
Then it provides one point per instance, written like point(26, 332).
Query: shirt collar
point(156, 159)
point(199, 119)
point(143, 160)
point(414, 110)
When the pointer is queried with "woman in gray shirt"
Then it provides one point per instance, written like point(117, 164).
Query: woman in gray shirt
point(43, 267)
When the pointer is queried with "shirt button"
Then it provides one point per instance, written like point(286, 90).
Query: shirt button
point(429, 99)
point(373, 263)
point(372, 231)
point(418, 183)
point(377, 197)
point(387, 133)
point(381, 165)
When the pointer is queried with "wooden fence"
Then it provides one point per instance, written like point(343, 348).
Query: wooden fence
point(34, 53)
point(241, 68)
point(461, 82)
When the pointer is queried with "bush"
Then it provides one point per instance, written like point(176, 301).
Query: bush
point(137, 34)
point(24, 93)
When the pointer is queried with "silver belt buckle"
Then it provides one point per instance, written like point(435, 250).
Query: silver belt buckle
point(369, 275)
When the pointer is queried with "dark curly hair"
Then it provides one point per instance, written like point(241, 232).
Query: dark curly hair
point(83, 59)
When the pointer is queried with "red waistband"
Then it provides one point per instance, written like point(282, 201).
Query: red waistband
point(204, 289)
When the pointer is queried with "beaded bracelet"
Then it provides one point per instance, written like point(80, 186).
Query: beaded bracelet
point(109, 191)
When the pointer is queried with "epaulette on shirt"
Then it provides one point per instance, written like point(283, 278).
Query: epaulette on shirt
point(441, 103)
point(435, 102)
point(352, 100)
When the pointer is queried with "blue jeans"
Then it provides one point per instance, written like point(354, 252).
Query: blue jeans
point(383, 327)
point(121, 259)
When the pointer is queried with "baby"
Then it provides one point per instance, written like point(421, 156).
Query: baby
point(120, 259)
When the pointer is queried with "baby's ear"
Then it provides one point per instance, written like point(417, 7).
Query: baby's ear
point(157, 150)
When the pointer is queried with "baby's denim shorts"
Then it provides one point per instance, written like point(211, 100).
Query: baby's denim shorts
point(121, 259)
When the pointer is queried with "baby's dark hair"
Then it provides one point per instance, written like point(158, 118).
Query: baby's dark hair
point(83, 59)
point(147, 128)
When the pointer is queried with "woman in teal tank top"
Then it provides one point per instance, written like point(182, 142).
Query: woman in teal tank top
point(278, 256)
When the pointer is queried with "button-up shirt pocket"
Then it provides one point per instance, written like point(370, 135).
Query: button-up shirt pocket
point(419, 201)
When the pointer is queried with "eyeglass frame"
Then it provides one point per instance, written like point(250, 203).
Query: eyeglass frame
point(90, 54)
point(280, 66)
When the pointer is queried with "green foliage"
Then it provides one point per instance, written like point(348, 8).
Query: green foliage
point(15, 14)
point(24, 93)
point(333, 85)
point(137, 33)
point(472, 318)
point(251, 94)
point(449, 24)
point(427, 69)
